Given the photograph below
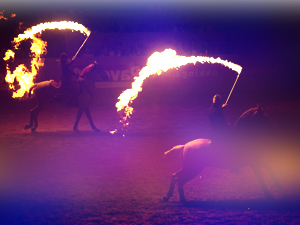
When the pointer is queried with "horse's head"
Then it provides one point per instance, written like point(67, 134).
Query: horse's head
point(261, 119)
point(87, 70)
point(253, 121)
point(93, 72)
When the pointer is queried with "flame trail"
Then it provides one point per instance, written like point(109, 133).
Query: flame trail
point(157, 63)
point(21, 74)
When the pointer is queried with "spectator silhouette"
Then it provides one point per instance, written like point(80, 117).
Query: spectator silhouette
point(104, 49)
point(137, 49)
point(207, 47)
point(113, 26)
point(87, 53)
point(151, 47)
point(192, 48)
point(120, 51)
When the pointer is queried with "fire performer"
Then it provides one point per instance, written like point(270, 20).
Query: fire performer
point(76, 90)
point(67, 74)
point(69, 87)
point(220, 138)
point(46, 91)
point(217, 119)
point(85, 97)
point(157, 63)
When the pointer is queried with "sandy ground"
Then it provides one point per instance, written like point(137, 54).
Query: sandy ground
point(55, 176)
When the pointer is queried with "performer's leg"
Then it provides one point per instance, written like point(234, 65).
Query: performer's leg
point(30, 120)
point(34, 116)
point(79, 114)
point(88, 115)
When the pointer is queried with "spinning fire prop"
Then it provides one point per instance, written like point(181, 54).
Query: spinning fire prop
point(160, 62)
point(22, 74)
point(157, 63)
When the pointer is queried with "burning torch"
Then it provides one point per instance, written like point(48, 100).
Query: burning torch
point(82, 45)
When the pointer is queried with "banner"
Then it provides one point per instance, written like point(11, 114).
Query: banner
point(260, 74)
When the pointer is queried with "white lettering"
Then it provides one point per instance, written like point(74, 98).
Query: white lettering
point(107, 73)
point(125, 75)
point(201, 73)
point(208, 73)
point(134, 71)
point(115, 75)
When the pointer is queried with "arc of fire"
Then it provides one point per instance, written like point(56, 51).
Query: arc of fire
point(157, 63)
point(21, 74)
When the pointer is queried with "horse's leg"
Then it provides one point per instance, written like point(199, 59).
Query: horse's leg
point(183, 177)
point(30, 120)
point(272, 174)
point(181, 181)
point(261, 180)
point(79, 114)
point(88, 115)
point(35, 112)
point(33, 118)
point(172, 186)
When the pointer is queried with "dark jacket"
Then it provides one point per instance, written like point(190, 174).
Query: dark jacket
point(67, 75)
point(217, 119)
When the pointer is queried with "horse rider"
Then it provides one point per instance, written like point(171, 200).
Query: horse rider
point(217, 119)
point(221, 138)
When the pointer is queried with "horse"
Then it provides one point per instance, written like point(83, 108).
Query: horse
point(46, 91)
point(201, 153)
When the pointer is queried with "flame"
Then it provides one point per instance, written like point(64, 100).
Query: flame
point(2, 17)
point(9, 54)
point(157, 63)
point(21, 74)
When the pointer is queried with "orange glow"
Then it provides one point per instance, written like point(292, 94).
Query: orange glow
point(2, 17)
point(23, 76)
point(157, 63)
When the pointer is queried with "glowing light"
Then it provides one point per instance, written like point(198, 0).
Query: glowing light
point(23, 76)
point(157, 63)
point(9, 54)
point(2, 17)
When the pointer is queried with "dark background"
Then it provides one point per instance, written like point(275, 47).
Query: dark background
point(55, 176)
point(254, 35)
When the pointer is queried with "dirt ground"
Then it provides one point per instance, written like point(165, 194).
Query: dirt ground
point(55, 176)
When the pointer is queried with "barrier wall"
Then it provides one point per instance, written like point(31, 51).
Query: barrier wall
point(260, 75)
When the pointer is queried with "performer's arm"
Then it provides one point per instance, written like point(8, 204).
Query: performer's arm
point(71, 62)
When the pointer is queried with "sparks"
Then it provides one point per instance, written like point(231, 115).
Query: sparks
point(22, 74)
point(157, 63)
point(2, 16)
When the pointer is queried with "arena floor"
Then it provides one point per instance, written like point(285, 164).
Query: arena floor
point(56, 176)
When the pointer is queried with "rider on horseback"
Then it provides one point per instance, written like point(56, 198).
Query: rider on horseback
point(217, 119)
point(221, 137)
point(46, 90)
